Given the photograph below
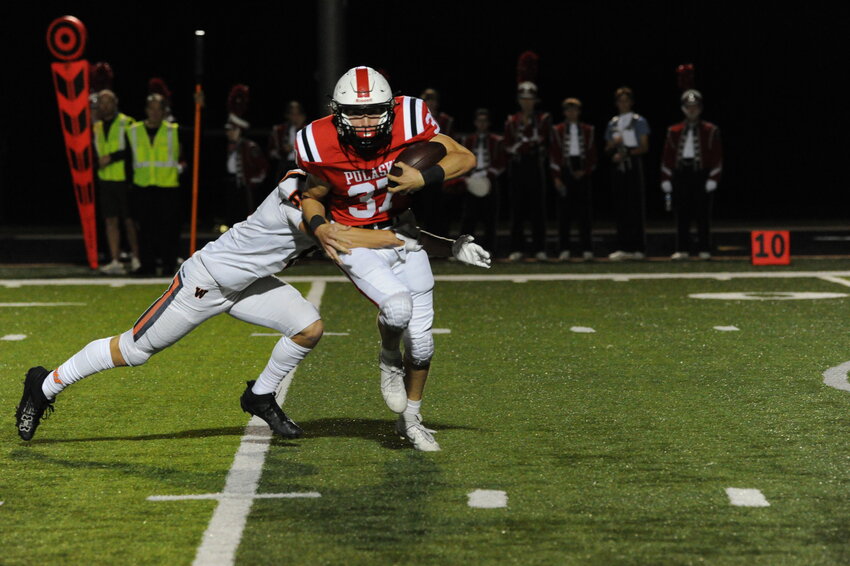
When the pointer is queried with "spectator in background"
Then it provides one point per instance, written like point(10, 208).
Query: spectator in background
point(626, 141)
point(446, 122)
point(572, 159)
point(282, 140)
point(436, 207)
point(246, 170)
point(691, 165)
point(157, 166)
point(113, 180)
point(481, 201)
point(527, 134)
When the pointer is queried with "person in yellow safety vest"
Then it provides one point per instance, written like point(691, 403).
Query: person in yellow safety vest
point(156, 178)
point(113, 182)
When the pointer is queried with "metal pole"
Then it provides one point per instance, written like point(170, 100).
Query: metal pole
point(196, 151)
point(330, 34)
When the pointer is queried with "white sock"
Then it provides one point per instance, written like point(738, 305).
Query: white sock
point(391, 355)
point(285, 356)
point(94, 358)
point(412, 409)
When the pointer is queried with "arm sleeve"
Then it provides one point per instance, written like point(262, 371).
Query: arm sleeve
point(555, 149)
point(591, 156)
point(668, 157)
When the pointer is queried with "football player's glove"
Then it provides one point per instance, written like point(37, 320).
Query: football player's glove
point(472, 254)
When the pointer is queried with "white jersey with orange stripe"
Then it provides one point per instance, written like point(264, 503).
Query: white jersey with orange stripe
point(263, 244)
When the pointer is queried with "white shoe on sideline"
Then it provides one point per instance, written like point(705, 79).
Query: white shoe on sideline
point(638, 256)
point(704, 255)
point(417, 434)
point(392, 384)
point(541, 256)
point(515, 256)
point(114, 267)
point(135, 264)
point(587, 255)
point(680, 256)
point(564, 255)
point(619, 255)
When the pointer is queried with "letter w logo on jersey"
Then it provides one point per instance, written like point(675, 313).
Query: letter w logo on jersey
point(200, 292)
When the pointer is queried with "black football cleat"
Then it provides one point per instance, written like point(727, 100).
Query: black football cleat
point(33, 403)
point(266, 407)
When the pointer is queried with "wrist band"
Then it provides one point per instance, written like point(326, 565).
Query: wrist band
point(315, 222)
point(433, 175)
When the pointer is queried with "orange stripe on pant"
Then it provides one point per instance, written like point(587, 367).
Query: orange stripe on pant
point(156, 309)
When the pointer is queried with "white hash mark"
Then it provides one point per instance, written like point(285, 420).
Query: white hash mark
point(582, 329)
point(14, 337)
point(487, 498)
point(726, 328)
point(742, 497)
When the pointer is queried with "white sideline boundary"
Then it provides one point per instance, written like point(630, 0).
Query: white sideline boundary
point(224, 532)
point(831, 276)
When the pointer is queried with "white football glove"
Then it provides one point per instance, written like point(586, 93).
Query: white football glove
point(410, 244)
point(472, 254)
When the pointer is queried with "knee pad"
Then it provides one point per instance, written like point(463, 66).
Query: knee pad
point(134, 353)
point(418, 340)
point(396, 311)
point(419, 348)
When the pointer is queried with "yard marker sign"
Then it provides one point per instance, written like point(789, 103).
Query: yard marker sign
point(771, 247)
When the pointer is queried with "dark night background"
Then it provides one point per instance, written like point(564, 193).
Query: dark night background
point(770, 78)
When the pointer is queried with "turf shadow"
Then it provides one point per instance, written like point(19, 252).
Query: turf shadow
point(380, 430)
point(197, 433)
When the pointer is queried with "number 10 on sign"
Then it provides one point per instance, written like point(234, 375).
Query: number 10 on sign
point(771, 247)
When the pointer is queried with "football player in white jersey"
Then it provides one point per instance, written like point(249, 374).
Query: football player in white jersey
point(233, 274)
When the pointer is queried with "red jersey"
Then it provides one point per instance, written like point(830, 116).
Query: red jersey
point(358, 192)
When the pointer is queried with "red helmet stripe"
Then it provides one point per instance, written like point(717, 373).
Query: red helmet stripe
point(362, 82)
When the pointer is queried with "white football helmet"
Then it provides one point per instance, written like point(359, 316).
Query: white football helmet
point(363, 91)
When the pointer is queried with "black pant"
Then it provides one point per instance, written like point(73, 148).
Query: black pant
point(577, 204)
point(428, 206)
point(484, 210)
point(528, 202)
point(691, 202)
point(160, 218)
point(239, 201)
point(629, 200)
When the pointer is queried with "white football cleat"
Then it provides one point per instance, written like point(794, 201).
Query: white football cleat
point(114, 267)
point(541, 256)
point(417, 434)
point(392, 384)
point(564, 255)
point(619, 255)
point(679, 256)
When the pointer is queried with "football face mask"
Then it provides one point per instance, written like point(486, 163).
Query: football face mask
point(364, 127)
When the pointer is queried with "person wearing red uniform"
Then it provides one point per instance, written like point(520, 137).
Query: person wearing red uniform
point(691, 165)
point(572, 160)
point(348, 156)
point(527, 135)
point(481, 202)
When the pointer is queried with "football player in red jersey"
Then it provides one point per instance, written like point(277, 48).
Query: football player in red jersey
point(348, 156)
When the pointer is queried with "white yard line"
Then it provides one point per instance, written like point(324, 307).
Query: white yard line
point(22, 305)
point(13, 337)
point(224, 532)
point(487, 499)
point(741, 497)
point(833, 279)
point(727, 328)
point(719, 275)
point(223, 496)
point(837, 377)
point(582, 329)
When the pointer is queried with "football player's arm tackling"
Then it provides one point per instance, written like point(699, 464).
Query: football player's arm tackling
point(334, 237)
point(458, 161)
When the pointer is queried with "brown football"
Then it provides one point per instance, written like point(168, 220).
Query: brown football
point(420, 155)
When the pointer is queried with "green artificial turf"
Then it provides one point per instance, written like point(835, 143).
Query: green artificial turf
point(614, 447)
